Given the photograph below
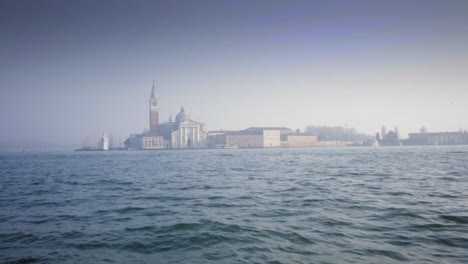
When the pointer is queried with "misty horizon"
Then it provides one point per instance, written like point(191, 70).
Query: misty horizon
point(72, 70)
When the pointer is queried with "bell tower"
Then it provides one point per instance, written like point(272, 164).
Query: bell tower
point(153, 111)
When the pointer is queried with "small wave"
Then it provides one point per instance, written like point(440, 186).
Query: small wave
point(25, 260)
point(292, 189)
point(194, 241)
point(204, 239)
point(459, 242)
point(215, 197)
point(455, 173)
point(400, 194)
point(207, 225)
point(37, 222)
point(104, 182)
point(240, 169)
point(276, 213)
point(449, 178)
point(254, 249)
point(15, 237)
point(25, 239)
point(444, 195)
point(91, 245)
point(292, 237)
point(40, 192)
point(124, 210)
point(402, 214)
point(72, 235)
point(457, 152)
point(4, 219)
point(129, 209)
point(295, 250)
point(387, 253)
point(429, 226)
point(335, 223)
point(142, 228)
point(224, 205)
point(308, 202)
point(460, 219)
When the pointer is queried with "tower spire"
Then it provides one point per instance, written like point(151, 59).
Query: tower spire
point(153, 111)
point(153, 91)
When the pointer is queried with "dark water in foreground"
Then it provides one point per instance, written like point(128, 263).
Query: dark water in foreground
point(320, 205)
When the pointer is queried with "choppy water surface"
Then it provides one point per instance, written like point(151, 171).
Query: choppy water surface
point(318, 205)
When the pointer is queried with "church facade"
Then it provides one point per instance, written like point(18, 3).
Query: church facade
point(188, 133)
point(181, 133)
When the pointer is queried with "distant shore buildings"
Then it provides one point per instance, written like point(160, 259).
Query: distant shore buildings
point(390, 138)
point(261, 137)
point(437, 138)
point(184, 132)
point(423, 138)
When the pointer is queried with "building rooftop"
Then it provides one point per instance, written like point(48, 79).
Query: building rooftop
point(268, 128)
point(438, 133)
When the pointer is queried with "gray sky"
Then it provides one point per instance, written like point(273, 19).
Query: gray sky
point(72, 69)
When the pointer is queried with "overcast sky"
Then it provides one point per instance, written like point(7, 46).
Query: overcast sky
point(74, 69)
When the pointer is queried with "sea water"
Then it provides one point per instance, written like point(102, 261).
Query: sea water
point(311, 205)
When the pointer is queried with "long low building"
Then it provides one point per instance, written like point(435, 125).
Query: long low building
point(147, 141)
point(438, 138)
point(254, 137)
point(261, 138)
point(298, 140)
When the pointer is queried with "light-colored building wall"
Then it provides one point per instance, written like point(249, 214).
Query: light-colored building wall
point(153, 142)
point(245, 140)
point(271, 138)
point(104, 142)
point(438, 138)
point(189, 135)
point(300, 141)
point(254, 139)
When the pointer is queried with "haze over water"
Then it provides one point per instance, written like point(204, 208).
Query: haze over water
point(75, 69)
point(71, 70)
point(317, 205)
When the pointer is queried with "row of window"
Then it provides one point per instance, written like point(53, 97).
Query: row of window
point(153, 140)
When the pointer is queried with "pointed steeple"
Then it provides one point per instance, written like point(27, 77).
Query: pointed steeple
point(170, 118)
point(153, 111)
point(182, 109)
point(153, 91)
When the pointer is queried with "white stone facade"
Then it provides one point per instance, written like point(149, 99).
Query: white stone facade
point(104, 142)
point(153, 142)
point(189, 135)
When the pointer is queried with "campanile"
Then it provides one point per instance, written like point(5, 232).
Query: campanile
point(153, 111)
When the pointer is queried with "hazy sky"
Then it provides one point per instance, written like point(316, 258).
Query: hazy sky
point(72, 69)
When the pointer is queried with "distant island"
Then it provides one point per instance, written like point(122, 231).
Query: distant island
point(185, 133)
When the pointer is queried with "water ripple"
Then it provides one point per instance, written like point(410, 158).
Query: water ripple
point(318, 205)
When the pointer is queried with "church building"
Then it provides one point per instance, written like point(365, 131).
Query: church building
point(181, 133)
point(188, 133)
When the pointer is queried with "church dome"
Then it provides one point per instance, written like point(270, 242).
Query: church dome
point(182, 116)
